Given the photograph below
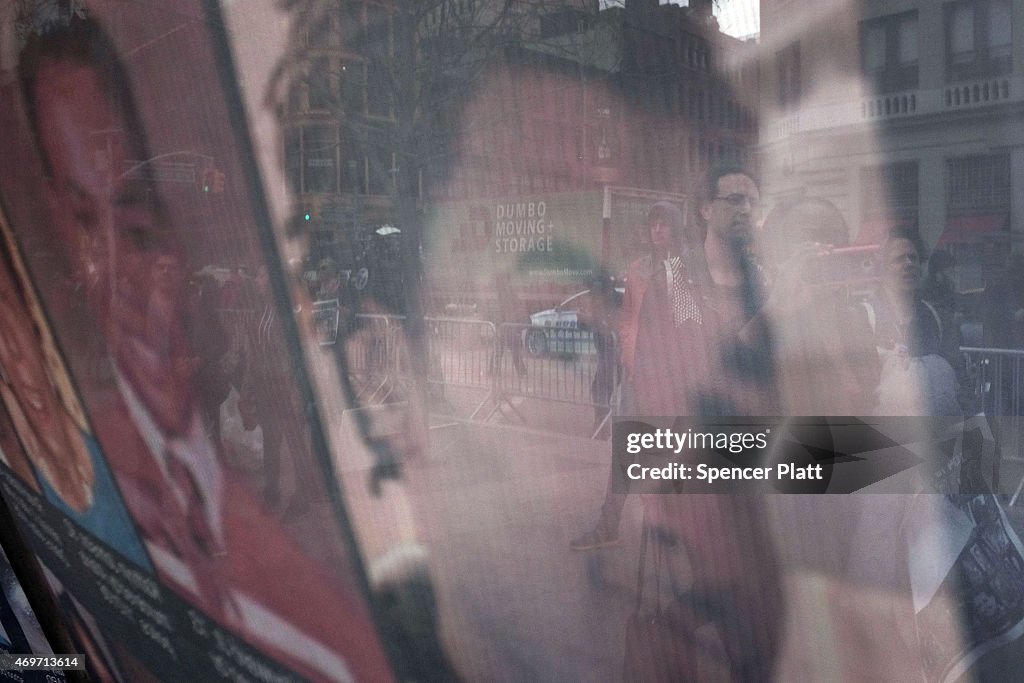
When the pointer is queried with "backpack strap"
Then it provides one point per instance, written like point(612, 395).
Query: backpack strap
point(873, 320)
point(938, 319)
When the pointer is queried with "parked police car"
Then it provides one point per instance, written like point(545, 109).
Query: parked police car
point(560, 330)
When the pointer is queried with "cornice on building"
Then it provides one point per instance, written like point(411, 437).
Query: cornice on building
point(991, 97)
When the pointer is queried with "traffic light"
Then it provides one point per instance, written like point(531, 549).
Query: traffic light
point(218, 181)
point(311, 213)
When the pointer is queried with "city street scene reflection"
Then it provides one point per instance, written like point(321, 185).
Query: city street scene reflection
point(346, 311)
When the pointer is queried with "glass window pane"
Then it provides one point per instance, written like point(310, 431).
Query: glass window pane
point(379, 165)
point(352, 24)
point(293, 159)
point(1000, 24)
point(295, 97)
point(874, 48)
point(378, 93)
point(377, 32)
point(320, 84)
point(961, 32)
point(320, 158)
point(907, 37)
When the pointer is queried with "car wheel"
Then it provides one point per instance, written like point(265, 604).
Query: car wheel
point(536, 342)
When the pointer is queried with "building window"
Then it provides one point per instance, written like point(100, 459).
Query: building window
point(889, 52)
point(321, 34)
point(321, 92)
point(295, 102)
point(979, 38)
point(377, 166)
point(978, 184)
point(366, 86)
point(787, 61)
point(311, 159)
point(977, 206)
point(890, 191)
point(378, 51)
point(378, 90)
point(352, 14)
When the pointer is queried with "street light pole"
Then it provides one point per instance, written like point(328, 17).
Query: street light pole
point(606, 227)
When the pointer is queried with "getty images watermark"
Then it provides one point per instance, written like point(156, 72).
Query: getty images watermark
point(801, 455)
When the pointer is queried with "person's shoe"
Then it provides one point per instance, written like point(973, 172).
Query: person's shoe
point(594, 540)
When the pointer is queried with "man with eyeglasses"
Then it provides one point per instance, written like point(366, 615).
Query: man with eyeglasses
point(731, 212)
point(734, 580)
point(677, 348)
point(731, 207)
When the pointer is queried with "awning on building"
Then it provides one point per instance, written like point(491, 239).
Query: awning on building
point(876, 230)
point(972, 228)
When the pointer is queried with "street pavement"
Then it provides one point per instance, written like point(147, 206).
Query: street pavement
point(500, 505)
point(496, 503)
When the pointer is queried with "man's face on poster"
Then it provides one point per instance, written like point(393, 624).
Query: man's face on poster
point(107, 219)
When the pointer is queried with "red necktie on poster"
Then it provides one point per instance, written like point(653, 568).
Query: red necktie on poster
point(194, 538)
point(193, 504)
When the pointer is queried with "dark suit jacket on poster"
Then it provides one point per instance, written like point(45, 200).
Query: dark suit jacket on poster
point(259, 584)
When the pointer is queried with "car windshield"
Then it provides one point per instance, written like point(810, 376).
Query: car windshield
point(573, 301)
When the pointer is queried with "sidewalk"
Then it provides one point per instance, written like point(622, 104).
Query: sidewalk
point(499, 505)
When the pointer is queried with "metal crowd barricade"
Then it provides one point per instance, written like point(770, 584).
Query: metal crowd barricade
point(459, 354)
point(567, 365)
point(563, 364)
point(371, 351)
point(238, 324)
point(997, 380)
